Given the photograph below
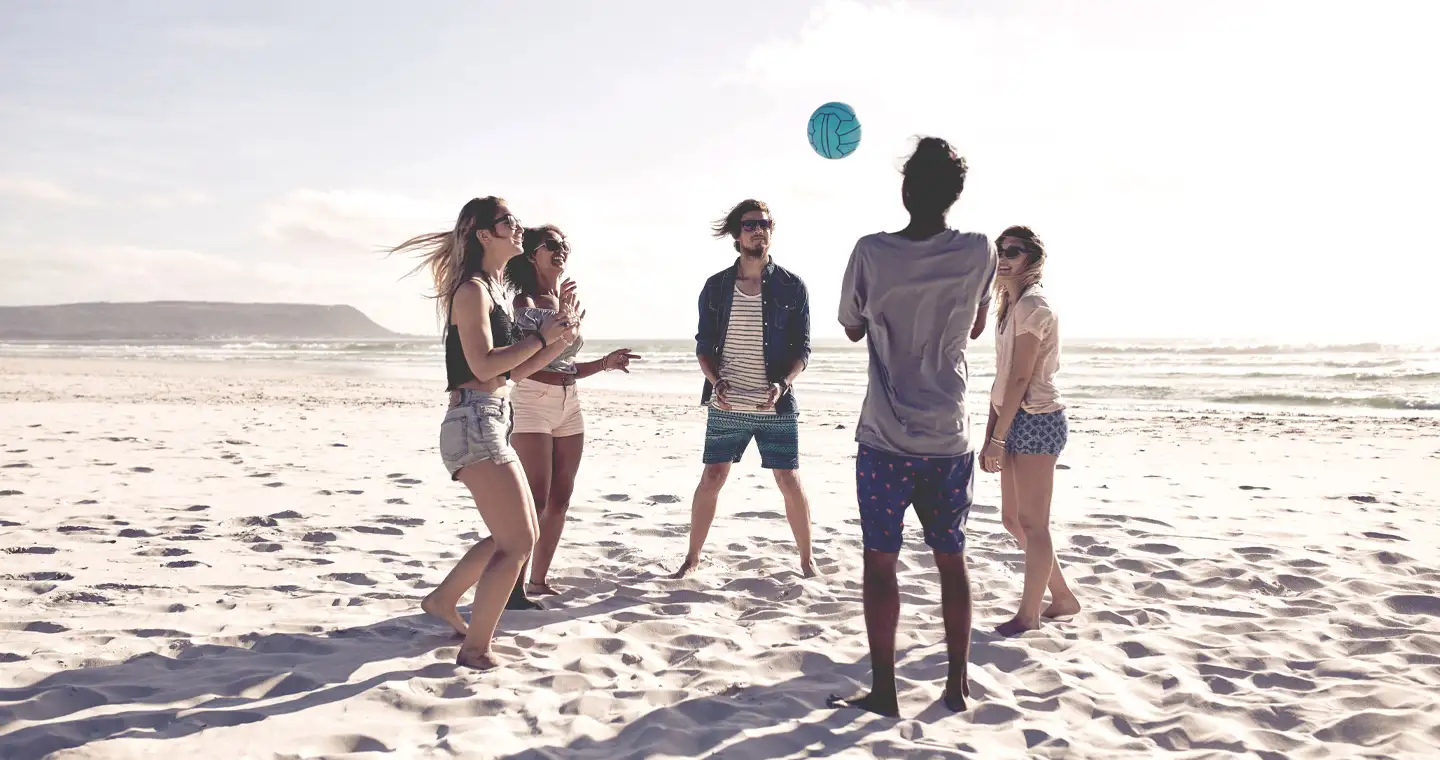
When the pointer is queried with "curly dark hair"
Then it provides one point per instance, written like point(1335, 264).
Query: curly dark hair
point(934, 177)
point(730, 223)
point(520, 271)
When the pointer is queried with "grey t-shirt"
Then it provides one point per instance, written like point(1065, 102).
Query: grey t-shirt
point(917, 300)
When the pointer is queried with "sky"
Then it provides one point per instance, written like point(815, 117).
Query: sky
point(1225, 170)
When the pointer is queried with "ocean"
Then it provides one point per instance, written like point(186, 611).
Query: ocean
point(1178, 376)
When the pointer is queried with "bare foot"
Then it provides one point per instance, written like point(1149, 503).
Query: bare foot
point(1015, 626)
point(540, 589)
point(522, 602)
point(957, 690)
point(446, 612)
point(470, 658)
point(686, 567)
point(1062, 608)
point(886, 705)
point(807, 569)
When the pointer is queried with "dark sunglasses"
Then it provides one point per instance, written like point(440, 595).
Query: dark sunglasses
point(510, 219)
point(556, 246)
point(1014, 251)
point(750, 225)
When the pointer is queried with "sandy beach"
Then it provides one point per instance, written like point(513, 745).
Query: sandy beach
point(225, 560)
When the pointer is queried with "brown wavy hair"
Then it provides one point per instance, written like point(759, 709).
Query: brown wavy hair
point(456, 256)
point(1034, 267)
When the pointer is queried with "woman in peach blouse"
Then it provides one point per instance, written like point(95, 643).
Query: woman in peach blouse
point(1027, 428)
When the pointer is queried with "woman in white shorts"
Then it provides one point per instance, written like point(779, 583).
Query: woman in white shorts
point(549, 434)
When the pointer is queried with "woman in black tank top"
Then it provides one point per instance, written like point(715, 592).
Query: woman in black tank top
point(481, 350)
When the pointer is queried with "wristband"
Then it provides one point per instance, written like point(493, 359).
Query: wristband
point(543, 342)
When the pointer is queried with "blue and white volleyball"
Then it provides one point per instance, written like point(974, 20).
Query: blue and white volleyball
point(834, 130)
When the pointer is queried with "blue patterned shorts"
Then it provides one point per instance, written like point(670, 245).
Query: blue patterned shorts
point(728, 434)
point(1038, 433)
point(940, 488)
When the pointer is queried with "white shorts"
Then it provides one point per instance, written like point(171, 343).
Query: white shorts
point(552, 410)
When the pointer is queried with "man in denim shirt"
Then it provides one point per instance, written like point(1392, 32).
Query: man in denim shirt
point(754, 339)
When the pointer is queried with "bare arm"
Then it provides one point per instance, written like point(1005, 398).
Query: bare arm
point(539, 361)
point(978, 328)
point(1022, 368)
point(711, 367)
point(472, 321)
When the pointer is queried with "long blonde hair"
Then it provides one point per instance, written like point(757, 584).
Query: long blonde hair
point(1034, 270)
point(454, 257)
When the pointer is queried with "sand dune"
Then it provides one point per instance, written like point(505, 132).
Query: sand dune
point(192, 571)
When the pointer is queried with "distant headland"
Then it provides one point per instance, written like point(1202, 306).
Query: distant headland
point(187, 320)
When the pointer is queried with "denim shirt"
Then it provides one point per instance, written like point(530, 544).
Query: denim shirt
point(785, 307)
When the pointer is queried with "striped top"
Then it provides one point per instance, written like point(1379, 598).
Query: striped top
point(742, 358)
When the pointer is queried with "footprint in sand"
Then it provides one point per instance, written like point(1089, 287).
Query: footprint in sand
point(9, 492)
point(8, 524)
point(1384, 536)
point(353, 492)
point(404, 522)
point(142, 469)
point(183, 563)
point(616, 497)
point(265, 547)
point(385, 530)
point(318, 537)
point(197, 508)
point(1414, 604)
point(1254, 488)
point(172, 551)
point(665, 498)
point(256, 521)
point(276, 484)
point(357, 579)
point(401, 502)
point(288, 514)
point(17, 466)
point(75, 529)
point(135, 533)
point(31, 550)
point(260, 475)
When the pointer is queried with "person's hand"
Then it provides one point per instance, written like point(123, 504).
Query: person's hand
point(570, 299)
point(556, 328)
point(776, 391)
point(990, 457)
point(618, 359)
point(722, 390)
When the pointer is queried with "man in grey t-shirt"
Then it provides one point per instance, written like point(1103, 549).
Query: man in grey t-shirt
point(919, 296)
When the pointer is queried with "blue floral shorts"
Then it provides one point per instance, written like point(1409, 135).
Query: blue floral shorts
point(1038, 433)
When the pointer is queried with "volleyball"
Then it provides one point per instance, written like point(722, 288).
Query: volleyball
point(834, 130)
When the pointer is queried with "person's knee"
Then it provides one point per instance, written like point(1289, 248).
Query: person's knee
point(880, 568)
point(714, 476)
point(516, 548)
point(1012, 524)
point(788, 480)
point(1032, 525)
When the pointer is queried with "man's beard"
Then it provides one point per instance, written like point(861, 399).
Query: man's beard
point(756, 252)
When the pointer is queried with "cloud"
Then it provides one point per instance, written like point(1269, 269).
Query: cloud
point(225, 37)
point(175, 199)
point(347, 220)
point(42, 190)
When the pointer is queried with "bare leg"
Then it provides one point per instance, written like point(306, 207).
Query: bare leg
point(441, 602)
point(702, 513)
point(797, 512)
point(566, 458)
point(1009, 502)
point(534, 450)
point(882, 618)
point(1034, 480)
point(504, 503)
point(955, 600)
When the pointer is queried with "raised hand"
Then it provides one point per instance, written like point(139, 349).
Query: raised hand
point(619, 359)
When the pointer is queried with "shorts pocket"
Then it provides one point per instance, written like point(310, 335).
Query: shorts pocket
point(455, 435)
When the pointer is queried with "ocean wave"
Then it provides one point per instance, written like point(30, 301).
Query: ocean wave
point(1259, 349)
point(1302, 399)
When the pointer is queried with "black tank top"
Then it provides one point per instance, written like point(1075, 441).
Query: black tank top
point(502, 330)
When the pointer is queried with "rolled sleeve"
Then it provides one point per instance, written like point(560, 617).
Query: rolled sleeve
point(800, 327)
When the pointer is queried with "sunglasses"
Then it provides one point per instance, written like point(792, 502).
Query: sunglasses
point(1013, 251)
point(556, 246)
point(750, 225)
point(509, 219)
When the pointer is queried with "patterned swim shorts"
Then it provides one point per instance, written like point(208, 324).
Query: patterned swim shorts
point(728, 434)
point(1038, 433)
point(940, 488)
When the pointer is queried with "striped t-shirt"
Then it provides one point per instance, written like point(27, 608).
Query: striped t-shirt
point(742, 359)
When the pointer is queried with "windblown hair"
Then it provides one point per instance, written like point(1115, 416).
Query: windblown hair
point(1034, 268)
point(520, 273)
point(730, 223)
point(934, 177)
point(456, 256)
